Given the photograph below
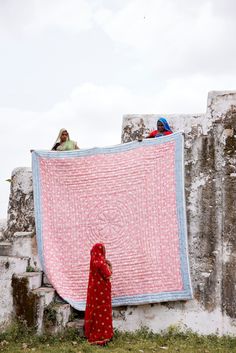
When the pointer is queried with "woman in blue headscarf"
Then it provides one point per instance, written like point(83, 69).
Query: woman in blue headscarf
point(163, 129)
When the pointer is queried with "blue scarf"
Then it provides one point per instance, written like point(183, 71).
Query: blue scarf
point(165, 123)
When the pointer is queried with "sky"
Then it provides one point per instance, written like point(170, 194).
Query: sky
point(83, 64)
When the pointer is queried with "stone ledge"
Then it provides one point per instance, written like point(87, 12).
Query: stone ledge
point(34, 279)
point(77, 325)
point(5, 248)
point(23, 235)
point(46, 293)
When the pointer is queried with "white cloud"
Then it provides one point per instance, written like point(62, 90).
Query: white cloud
point(164, 38)
point(174, 37)
point(70, 15)
point(34, 16)
point(225, 8)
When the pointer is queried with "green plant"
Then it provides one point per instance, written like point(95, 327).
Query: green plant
point(50, 316)
point(29, 268)
point(17, 339)
point(18, 330)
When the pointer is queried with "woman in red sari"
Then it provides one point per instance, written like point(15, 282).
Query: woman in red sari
point(98, 313)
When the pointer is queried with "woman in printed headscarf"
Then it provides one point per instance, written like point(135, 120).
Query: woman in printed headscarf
point(163, 129)
point(63, 142)
point(98, 313)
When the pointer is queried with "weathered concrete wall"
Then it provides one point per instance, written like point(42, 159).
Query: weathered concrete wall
point(210, 184)
point(3, 225)
point(21, 204)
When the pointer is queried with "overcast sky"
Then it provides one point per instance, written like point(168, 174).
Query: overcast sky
point(82, 64)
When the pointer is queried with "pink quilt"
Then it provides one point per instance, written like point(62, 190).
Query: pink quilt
point(131, 198)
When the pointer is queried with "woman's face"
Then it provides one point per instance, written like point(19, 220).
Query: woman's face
point(64, 136)
point(160, 126)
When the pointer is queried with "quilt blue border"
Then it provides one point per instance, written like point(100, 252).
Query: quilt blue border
point(186, 293)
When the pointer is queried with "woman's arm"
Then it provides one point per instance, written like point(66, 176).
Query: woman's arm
point(55, 146)
point(105, 269)
point(152, 134)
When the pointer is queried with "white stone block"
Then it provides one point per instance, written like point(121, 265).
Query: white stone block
point(5, 248)
point(21, 204)
point(63, 313)
point(47, 294)
point(46, 297)
point(34, 279)
point(9, 266)
point(24, 244)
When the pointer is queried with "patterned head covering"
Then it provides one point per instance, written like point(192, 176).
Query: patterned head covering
point(58, 140)
point(165, 123)
point(67, 145)
point(97, 253)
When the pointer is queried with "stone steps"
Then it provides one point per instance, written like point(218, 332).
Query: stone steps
point(29, 294)
point(22, 244)
point(35, 302)
point(52, 317)
point(13, 264)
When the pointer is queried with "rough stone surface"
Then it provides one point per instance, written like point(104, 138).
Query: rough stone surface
point(77, 325)
point(25, 302)
point(3, 225)
point(8, 266)
point(210, 185)
point(35, 305)
point(21, 205)
point(33, 279)
point(45, 297)
point(56, 317)
point(24, 244)
point(5, 248)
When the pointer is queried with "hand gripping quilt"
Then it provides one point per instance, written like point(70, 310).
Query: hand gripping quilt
point(131, 198)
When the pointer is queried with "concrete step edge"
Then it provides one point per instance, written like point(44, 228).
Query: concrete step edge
point(5, 243)
point(17, 235)
point(41, 291)
point(29, 274)
point(14, 257)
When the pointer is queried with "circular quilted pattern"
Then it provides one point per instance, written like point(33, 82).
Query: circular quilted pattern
point(109, 221)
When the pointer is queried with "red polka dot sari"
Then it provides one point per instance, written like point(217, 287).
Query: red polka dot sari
point(98, 313)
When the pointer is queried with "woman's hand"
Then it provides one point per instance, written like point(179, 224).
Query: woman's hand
point(109, 264)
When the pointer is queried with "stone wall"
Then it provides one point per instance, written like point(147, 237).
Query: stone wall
point(3, 225)
point(20, 215)
point(210, 184)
